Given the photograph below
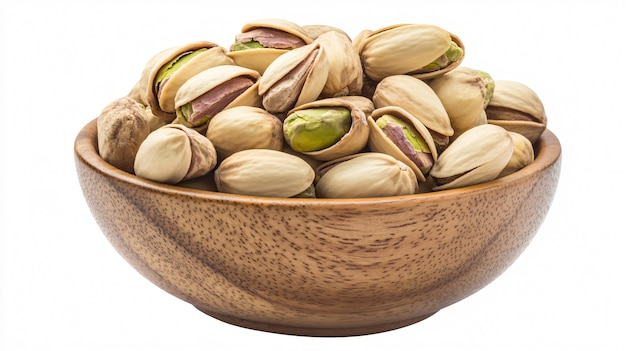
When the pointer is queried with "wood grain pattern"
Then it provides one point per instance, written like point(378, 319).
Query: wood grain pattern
point(319, 266)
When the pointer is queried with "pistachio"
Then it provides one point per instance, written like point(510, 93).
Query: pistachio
point(340, 130)
point(262, 41)
point(419, 100)
point(408, 140)
point(294, 78)
point(122, 127)
point(174, 153)
point(464, 93)
point(476, 156)
point(166, 71)
point(345, 75)
point(244, 127)
point(316, 128)
point(213, 90)
point(369, 174)
point(516, 107)
point(523, 154)
point(396, 132)
point(407, 49)
point(263, 172)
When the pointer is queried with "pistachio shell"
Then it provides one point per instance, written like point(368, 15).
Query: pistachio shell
point(379, 142)
point(523, 154)
point(464, 93)
point(356, 138)
point(403, 49)
point(144, 90)
point(363, 175)
point(259, 59)
point(282, 91)
point(263, 172)
point(122, 126)
point(417, 98)
point(174, 153)
point(516, 107)
point(244, 127)
point(345, 75)
point(476, 156)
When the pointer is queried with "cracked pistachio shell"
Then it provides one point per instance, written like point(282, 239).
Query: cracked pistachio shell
point(476, 156)
point(122, 126)
point(174, 153)
point(244, 127)
point(418, 99)
point(145, 90)
point(380, 142)
point(516, 107)
point(264, 172)
point(212, 78)
point(259, 59)
point(356, 137)
point(464, 93)
point(294, 78)
point(523, 154)
point(369, 174)
point(345, 74)
point(405, 49)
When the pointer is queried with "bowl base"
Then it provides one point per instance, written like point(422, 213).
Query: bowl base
point(306, 331)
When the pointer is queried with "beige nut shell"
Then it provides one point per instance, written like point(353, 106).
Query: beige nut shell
point(368, 174)
point(264, 172)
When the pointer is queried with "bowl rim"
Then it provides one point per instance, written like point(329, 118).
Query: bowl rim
point(547, 153)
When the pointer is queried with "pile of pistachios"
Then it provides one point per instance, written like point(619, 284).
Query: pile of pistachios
point(307, 111)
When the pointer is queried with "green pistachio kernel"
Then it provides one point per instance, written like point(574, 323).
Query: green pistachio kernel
point(315, 129)
point(249, 45)
point(175, 64)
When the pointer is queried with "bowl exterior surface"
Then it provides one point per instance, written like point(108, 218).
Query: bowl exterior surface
point(315, 266)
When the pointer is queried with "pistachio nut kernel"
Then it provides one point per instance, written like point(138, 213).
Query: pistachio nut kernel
point(523, 154)
point(476, 156)
point(244, 127)
point(464, 92)
point(516, 107)
point(315, 129)
point(264, 172)
point(174, 153)
point(418, 99)
point(363, 175)
point(122, 126)
point(404, 137)
point(407, 139)
point(213, 90)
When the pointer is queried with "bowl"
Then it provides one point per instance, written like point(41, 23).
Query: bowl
point(318, 267)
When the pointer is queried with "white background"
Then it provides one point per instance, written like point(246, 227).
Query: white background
point(63, 287)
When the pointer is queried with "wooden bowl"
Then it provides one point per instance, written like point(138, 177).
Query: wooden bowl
point(323, 267)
